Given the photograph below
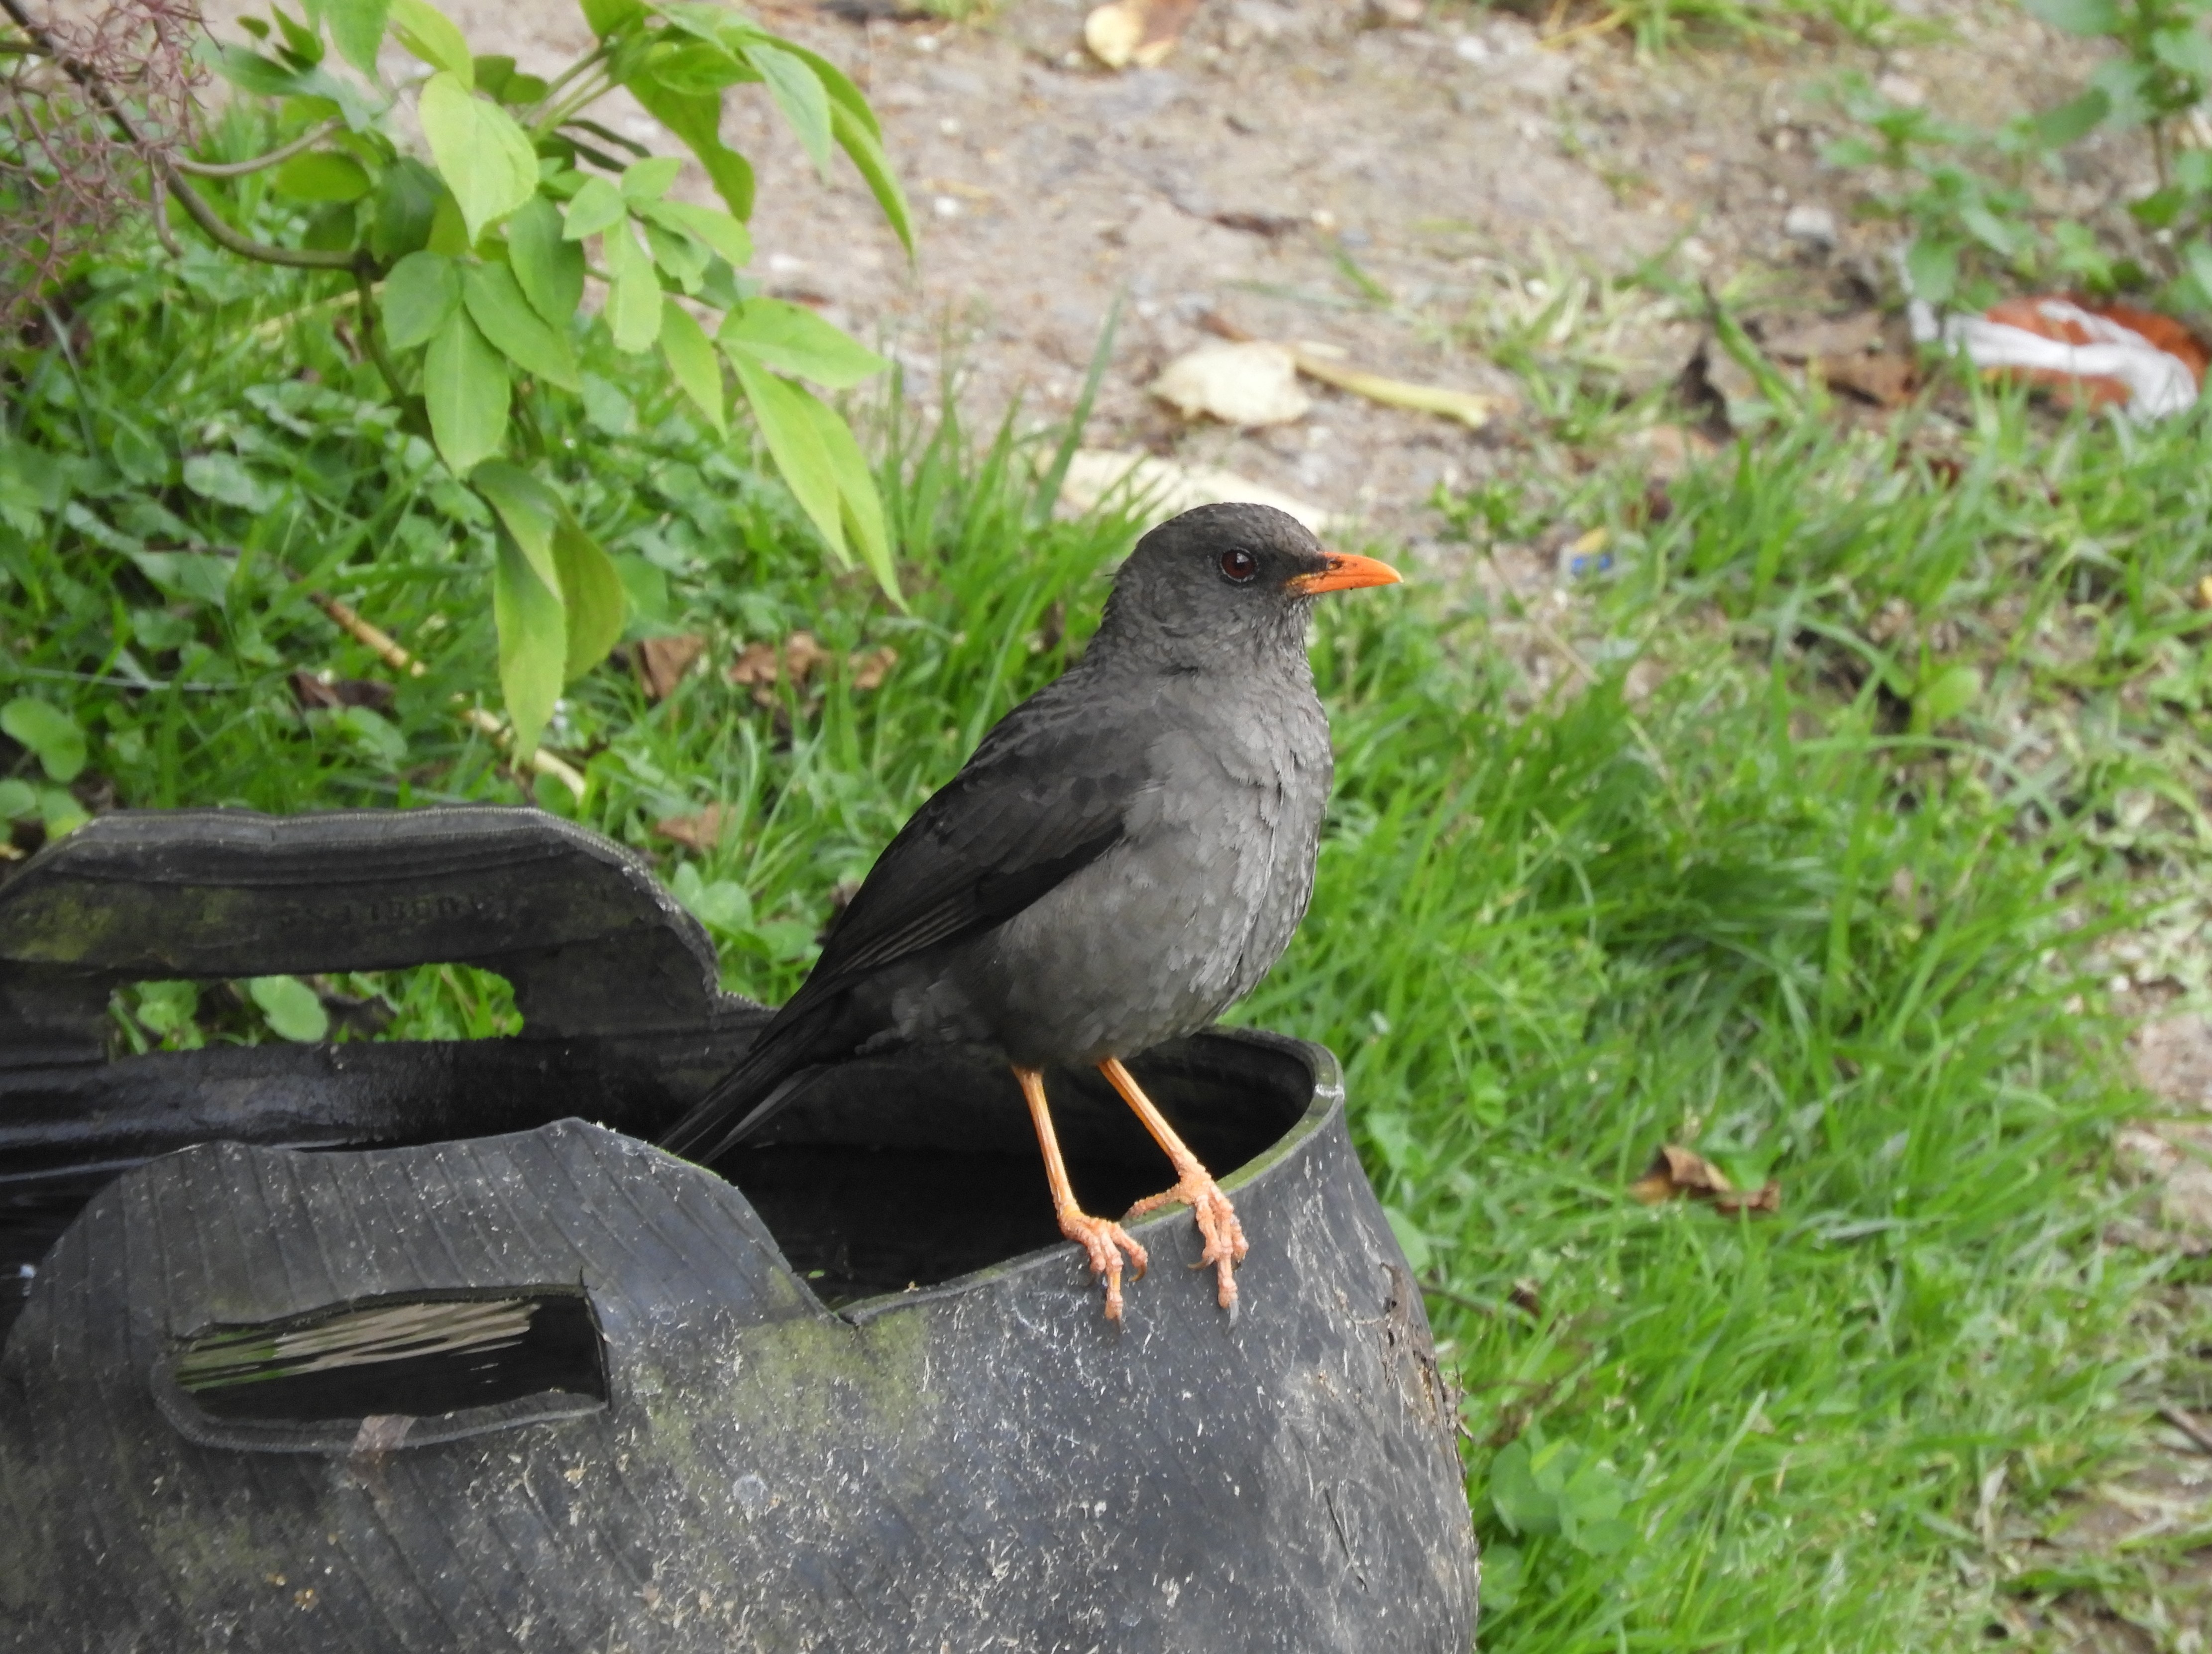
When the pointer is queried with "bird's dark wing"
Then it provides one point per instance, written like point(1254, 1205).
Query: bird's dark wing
point(1045, 796)
point(1047, 793)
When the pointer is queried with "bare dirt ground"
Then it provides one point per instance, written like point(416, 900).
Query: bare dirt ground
point(1406, 194)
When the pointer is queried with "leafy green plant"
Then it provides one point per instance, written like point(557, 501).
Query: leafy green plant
point(467, 270)
point(1964, 195)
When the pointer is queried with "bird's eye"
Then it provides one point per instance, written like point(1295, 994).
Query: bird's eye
point(1239, 565)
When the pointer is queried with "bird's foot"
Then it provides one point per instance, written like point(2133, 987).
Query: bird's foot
point(1217, 1226)
point(1103, 1240)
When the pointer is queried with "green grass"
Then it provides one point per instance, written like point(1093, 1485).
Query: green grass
point(1815, 902)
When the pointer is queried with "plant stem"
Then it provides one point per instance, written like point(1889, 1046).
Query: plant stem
point(307, 140)
point(596, 55)
point(388, 370)
point(194, 203)
point(574, 105)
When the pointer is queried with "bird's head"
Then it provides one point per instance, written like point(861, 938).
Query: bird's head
point(1231, 572)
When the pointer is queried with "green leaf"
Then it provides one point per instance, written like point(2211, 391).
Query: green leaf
point(842, 93)
point(1504, 1576)
point(1946, 694)
point(303, 43)
point(2185, 48)
point(291, 1007)
point(700, 68)
point(550, 268)
point(547, 266)
point(856, 494)
point(2077, 16)
point(18, 802)
point(534, 644)
point(517, 331)
point(2192, 170)
point(799, 93)
point(357, 29)
point(644, 182)
point(709, 224)
point(528, 510)
point(633, 293)
point(50, 734)
point(1412, 1240)
point(794, 442)
point(596, 207)
point(256, 74)
point(692, 362)
point(464, 387)
point(1933, 268)
point(322, 175)
point(2072, 121)
point(723, 905)
point(431, 35)
point(696, 119)
point(493, 71)
point(1521, 1502)
point(198, 576)
point(792, 339)
point(605, 16)
point(592, 592)
point(2197, 255)
point(420, 297)
point(684, 259)
point(482, 154)
point(249, 71)
point(407, 198)
point(59, 812)
point(2160, 208)
point(866, 151)
point(224, 478)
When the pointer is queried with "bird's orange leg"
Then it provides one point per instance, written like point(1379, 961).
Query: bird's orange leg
point(1102, 1239)
point(1195, 1187)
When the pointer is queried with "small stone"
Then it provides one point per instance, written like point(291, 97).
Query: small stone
point(1806, 222)
point(1902, 89)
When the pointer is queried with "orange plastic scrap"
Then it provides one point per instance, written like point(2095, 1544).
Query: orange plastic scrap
point(2087, 351)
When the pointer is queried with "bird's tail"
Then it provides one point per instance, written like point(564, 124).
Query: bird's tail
point(774, 1072)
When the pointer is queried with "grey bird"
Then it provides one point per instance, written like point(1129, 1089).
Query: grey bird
point(1124, 857)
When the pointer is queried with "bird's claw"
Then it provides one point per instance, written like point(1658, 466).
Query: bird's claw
point(1217, 1226)
point(1103, 1240)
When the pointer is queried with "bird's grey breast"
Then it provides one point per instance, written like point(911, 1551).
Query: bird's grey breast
point(1184, 916)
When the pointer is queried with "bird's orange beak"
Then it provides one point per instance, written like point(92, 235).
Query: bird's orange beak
point(1344, 572)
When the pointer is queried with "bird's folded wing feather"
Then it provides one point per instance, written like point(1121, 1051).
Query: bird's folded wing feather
point(1045, 796)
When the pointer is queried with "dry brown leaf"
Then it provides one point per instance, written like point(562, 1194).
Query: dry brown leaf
point(700, 832)
point(869, 667)
point(1886, 381)
point(757, 665)
point(661, 662)
point(1471, 408)
point(1677, 1172)
point(1249, 384)
point(802, 655)
point(1766, 1198)
point(1838, 336)
point(1139, 32)
point(762, 666)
